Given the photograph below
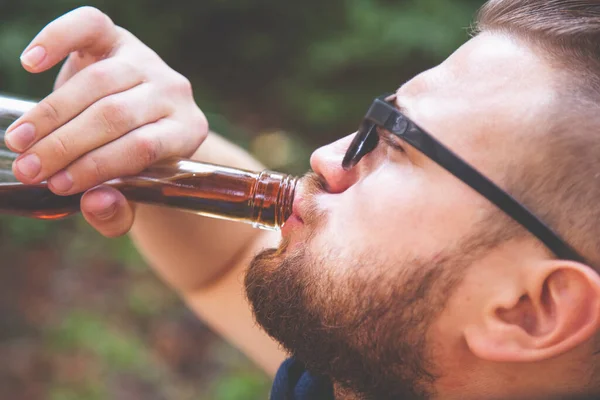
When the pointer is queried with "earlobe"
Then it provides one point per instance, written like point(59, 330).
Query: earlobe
point(556, 309)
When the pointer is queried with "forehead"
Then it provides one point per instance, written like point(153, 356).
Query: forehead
point(484, 97)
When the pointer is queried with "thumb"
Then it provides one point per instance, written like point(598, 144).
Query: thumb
point(107, 210)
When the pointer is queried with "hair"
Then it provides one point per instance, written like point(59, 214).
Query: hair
point(562, 182)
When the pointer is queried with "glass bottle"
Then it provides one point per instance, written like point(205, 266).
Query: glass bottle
point(263, 199)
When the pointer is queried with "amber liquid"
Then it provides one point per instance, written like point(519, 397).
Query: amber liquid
point(36, 201)
point(263, 199)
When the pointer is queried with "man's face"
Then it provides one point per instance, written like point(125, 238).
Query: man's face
point(370, 269)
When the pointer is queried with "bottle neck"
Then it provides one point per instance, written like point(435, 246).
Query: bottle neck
point(11, 109)
point(273, 199)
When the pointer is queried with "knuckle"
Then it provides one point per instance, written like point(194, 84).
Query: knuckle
point(201, 123)
point(61, 146)
point(90, 11)
point(125, 68)
point(101, 75)
point(181, 85)
point(95, 168)
point(149, 150)
point(95, 17)
point(49, 111)
point(105, 74)
point(113, 116)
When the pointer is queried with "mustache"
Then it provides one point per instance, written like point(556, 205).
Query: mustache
point(313, 184)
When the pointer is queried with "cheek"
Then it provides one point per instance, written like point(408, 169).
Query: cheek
point(376, 215)
point(396, 210)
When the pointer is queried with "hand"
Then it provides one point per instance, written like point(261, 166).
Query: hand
point(116, 109)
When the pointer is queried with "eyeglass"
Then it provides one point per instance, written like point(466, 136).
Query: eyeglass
point(382, 114)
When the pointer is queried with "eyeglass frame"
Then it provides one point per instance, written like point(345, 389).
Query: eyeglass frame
point(384, 115)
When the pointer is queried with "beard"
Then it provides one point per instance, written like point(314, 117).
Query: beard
point(366, 328)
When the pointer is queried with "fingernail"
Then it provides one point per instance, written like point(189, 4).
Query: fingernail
point(62, 182)
point(33, 57)
point(29, 165)
point(21, 137)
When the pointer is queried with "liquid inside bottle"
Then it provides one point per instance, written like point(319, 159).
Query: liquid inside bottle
point(263, 199)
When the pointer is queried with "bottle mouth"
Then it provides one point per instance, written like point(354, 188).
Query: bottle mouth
point(273, 199)
point(286, 200)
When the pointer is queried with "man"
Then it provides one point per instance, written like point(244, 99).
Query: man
point(404, 272)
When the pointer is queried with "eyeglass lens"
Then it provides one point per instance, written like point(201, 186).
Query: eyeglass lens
point(365, 141)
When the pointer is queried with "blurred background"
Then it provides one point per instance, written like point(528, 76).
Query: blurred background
point(81, 316)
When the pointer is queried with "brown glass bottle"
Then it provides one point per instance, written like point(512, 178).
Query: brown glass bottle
point(263, 199)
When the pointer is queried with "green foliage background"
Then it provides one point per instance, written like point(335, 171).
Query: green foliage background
point(81, 317)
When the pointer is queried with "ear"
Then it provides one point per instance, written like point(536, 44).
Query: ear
point(553, 307)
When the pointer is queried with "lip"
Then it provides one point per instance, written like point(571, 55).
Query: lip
point(298, 200)
point(294, 220)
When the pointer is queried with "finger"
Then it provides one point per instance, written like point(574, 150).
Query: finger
point(103, 122)
point(85, 29)
point(107, 210)
point(84, 89)
point(129, 47)
point(72, 65)
point(128, 155)
point(66, 72)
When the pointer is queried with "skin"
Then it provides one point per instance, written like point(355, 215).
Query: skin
point(520, 324)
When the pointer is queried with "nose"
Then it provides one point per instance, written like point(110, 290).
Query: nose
point(327, 162)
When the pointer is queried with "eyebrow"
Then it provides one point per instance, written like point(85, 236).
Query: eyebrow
point(409, 149)
point(397, 103)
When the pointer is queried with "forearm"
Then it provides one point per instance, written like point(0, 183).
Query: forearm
point(191, 251)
